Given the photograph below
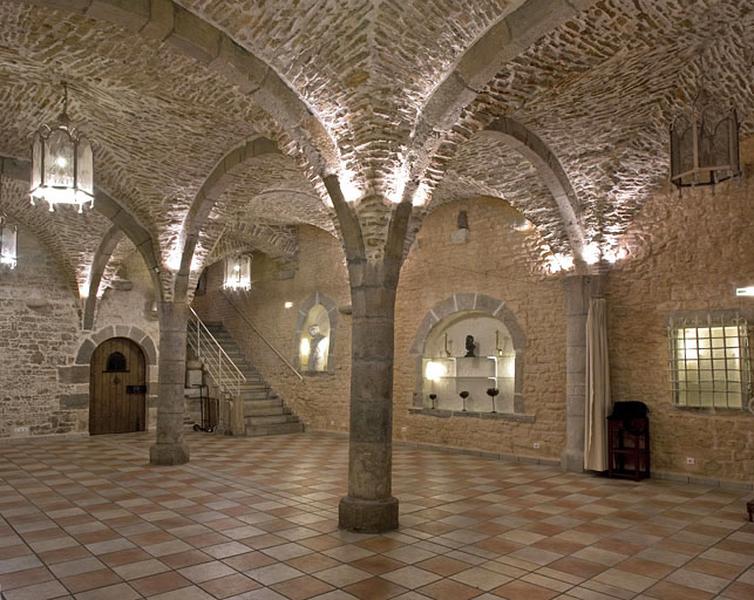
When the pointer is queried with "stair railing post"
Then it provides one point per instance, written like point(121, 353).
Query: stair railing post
point(198, 339)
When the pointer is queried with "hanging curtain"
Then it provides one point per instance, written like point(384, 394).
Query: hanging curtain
point(597, 387)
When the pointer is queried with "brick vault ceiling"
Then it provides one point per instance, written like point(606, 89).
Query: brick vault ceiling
point(599, 90)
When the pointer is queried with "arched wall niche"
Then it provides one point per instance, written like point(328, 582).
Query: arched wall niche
point(444, 369)
point(316, 329)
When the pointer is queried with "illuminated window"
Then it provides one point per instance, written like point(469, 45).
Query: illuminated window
point(710, 363)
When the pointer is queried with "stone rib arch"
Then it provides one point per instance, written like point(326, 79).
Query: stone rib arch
point(99, 263)
point(533, 149)
point(212, 188)
point(303, 312)
point(501, 43)
point(480, 304)
point(167, 21)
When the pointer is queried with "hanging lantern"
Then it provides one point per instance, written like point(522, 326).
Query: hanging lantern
point(704, 145)
point(238, 272)
point(8, 243)
point(62, 170)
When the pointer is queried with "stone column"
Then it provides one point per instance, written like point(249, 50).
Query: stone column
point(579, 289)
point(369, 506)
point(170, 448)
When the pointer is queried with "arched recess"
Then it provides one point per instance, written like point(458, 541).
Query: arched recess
point(531, 147)
point(205, 199)
point(331, 311)
point(190, 35)
point(471, 304)
point(110, 208)
point(502, 42)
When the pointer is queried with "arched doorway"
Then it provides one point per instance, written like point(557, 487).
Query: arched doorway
point(117, 388)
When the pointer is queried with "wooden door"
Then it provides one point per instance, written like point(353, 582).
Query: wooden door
point(117, 389)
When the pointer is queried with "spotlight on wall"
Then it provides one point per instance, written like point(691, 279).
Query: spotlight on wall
point(434, 370)
point(288, 305)
point(745, 291)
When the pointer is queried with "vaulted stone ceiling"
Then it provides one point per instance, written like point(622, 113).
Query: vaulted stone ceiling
point(599, 89)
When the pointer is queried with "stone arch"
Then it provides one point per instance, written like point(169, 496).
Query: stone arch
point(212, 188)
point(190, 35)
point(101, 258)
point(135, 334)
point(303, 312)
point(502, 42)
point(479, 304)
point(533, 149)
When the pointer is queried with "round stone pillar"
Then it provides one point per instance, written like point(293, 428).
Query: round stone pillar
point(170, 449)
point(369, 506)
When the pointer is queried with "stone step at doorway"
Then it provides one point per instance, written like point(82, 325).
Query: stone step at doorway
point(265, 413)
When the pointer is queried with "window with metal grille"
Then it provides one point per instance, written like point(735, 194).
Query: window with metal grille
point(710, 363)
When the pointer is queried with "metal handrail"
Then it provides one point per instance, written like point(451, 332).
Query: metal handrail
point(264, 339)
point(233, 378)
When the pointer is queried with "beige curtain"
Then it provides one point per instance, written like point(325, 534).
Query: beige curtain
point(598, 403)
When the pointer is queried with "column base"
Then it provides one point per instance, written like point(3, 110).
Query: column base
point(169, 454)
point(572, 461)
point(368, 516)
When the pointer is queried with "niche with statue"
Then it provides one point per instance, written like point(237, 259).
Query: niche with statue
point(469, 365)
point(314, 346)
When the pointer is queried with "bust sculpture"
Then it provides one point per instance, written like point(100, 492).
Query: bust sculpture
point(470, 347)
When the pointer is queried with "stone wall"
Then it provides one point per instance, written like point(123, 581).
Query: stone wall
point(44, 375)
point(321, 400)
point(38, 333)
point(690, 253)
point(496, 262)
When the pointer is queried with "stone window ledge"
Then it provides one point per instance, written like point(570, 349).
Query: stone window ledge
point(719, 411)
point(327, 373)
point(445, 414)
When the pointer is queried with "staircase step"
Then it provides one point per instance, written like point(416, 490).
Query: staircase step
point(267, 412)
point(268, 419)
point(256, 404)
point(274, 429)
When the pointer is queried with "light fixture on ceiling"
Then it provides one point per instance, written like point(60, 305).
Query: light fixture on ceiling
point(238, 272)
point(704, 144)
point(62, 170)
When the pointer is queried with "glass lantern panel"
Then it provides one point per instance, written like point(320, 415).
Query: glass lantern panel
point(8, 245)
point(36, 162)
point(85, 167)
point(59, 159)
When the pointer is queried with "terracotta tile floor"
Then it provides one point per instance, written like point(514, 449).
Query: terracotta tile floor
point(255, 519)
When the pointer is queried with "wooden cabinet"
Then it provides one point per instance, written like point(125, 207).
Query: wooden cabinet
point(628, 443)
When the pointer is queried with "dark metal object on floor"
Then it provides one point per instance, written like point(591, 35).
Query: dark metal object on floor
point(209, 410)
point(628, 441)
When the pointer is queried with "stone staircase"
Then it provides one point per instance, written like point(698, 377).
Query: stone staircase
point(265, 413)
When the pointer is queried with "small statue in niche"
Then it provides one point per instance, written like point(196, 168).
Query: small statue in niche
point(470, 347)
point(316, 358)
